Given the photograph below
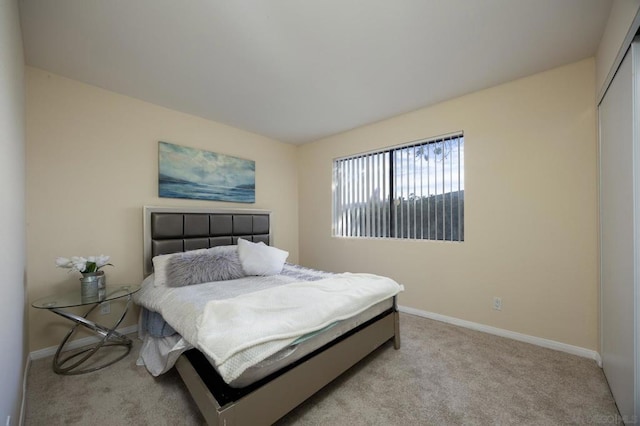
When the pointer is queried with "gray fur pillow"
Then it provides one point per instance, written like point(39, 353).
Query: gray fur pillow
point(202, 267)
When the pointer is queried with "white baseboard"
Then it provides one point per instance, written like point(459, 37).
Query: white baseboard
point(27, 366)
point(43, 353)
point(538, 341)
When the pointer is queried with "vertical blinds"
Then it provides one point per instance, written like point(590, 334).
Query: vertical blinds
point(413, 192)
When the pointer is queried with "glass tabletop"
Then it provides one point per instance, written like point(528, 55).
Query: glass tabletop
point(73, 298)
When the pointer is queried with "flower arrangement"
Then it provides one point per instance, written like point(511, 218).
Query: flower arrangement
point(84, 265)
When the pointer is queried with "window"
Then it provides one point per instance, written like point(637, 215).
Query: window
point(413, 191)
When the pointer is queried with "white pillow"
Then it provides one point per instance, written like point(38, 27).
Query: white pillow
point(160, 269)
point(260, 259)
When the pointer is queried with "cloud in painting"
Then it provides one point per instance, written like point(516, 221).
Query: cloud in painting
point(206, 167)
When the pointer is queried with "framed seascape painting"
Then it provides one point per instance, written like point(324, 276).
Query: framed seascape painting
point(185, 172)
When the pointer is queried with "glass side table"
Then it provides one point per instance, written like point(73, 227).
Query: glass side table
point(108, 335)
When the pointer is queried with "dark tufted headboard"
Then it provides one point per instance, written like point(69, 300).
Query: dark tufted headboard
point(175, 229)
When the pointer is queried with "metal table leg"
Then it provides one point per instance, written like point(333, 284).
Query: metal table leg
point(110, 337)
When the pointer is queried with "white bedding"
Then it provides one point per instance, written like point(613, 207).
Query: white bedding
point(184, 308)
point(237, 333)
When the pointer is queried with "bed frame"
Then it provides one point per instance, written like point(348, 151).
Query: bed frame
point(170, 230)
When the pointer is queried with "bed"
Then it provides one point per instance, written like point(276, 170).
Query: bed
point(263, 393)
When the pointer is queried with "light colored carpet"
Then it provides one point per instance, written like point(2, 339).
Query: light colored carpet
point(442, 375)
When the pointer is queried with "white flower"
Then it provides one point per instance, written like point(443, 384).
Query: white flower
point(79, 263)
point(63, 262)
point(102, 260)
point(89, 264)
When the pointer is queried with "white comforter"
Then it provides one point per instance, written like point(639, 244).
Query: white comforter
point(237, 333)
point(202, 312)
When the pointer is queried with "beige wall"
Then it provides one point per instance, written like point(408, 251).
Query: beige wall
point(530, 209)
point(13, 327)
point(530, 198)
point(92, 164)
point(620, 21)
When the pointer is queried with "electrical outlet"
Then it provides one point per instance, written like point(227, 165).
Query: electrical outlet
point(105, 308)
point(497, 303)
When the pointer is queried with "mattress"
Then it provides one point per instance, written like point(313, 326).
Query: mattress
point(181, 307)
point(307, 345)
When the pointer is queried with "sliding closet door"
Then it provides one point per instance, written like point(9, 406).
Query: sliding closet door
point(617, 238)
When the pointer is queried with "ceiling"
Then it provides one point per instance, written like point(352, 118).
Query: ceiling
point(300, 70)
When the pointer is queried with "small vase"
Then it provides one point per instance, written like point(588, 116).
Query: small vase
point(92, 284)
